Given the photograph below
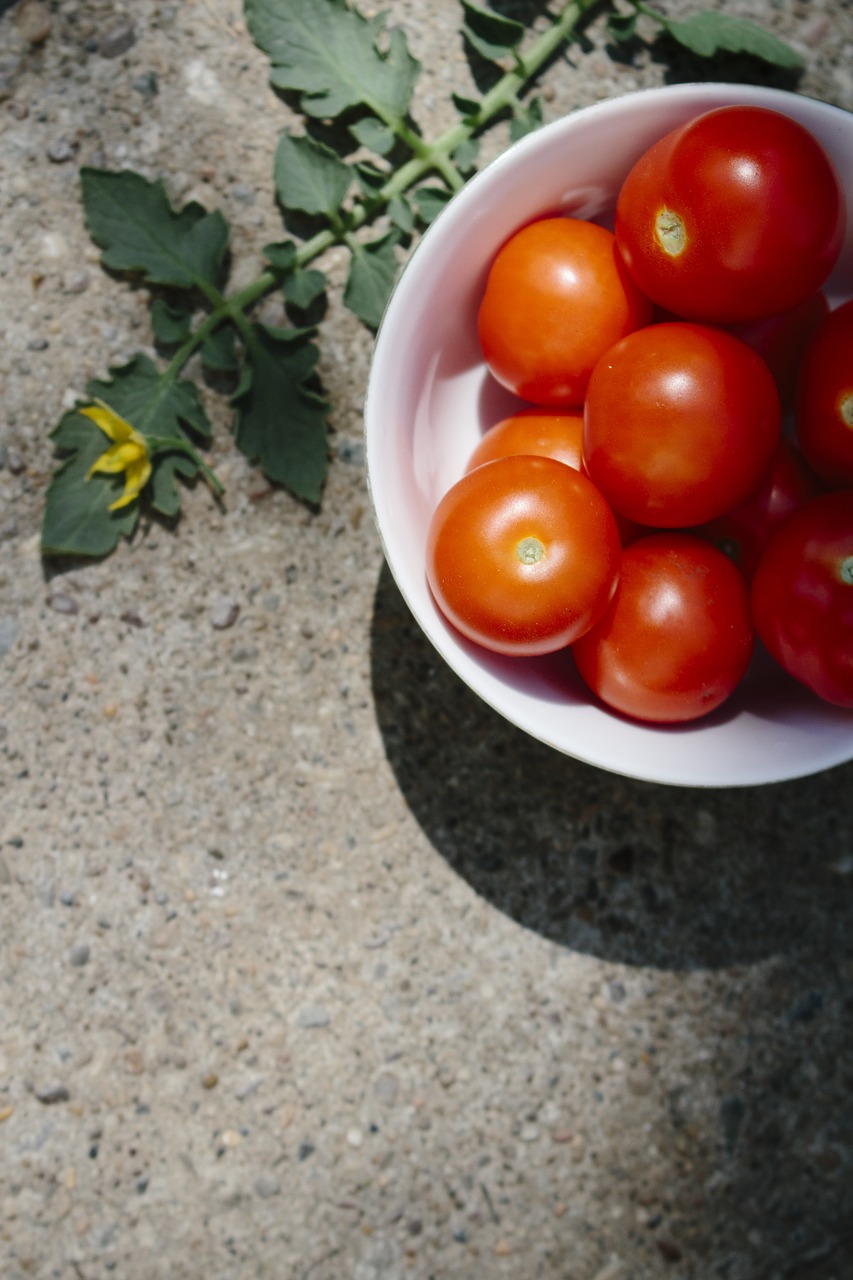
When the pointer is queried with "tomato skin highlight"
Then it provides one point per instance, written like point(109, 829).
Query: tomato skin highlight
point(677, 637)
point(744, 531)
point(680, 424)
point(802, 596)
point(557, 296)
point(762, 211)
point(479, 571)
point(824, 406)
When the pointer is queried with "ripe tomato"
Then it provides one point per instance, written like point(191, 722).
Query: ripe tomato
point(802, 596)
point(781, 340)
point(680, 424)
point(743, 532)
point(677, 637)
point(824, 409)
point(545, 433)
point(734, 215)
point(557, 296)
point(523, 555)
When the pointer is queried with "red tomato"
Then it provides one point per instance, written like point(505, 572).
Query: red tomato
point(781, 340)
point(802, 596)
point(743, 532)
point(556, 297)
point(677, 637)
point(824, 410)
point(523, 555)
point(545, 433)
point(734, 215)
point(680, 424)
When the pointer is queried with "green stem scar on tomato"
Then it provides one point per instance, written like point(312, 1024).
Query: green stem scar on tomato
point(530, 551)
point(670, 233)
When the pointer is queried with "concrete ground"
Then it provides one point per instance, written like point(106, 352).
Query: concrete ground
point(311, 965)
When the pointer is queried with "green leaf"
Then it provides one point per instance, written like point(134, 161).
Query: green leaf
point(279, 421)
point(526, 119)
point(706, 34)
point(430, 201)
point(465, 155)
point(309, 176)
point(491, 34)
point(165, 495)
point(132, 221)
point(401, 214)
point(467, 107)
point(370, 178)
point(282, 257)
point(622, 27)
point(329, 54)
point(373, 134)
point(303, 288)
point(170, 321)
point(219, 352)
point(77, 520)
point(149, 402)
point(373, 270)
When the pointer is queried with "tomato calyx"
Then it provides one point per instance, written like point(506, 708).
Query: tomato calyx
point(670, 232)
point(846, 571)
point(530, 550)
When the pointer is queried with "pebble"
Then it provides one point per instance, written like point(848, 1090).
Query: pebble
point(669, 1252)
point(61, 150)
point(8, 633)
point(132, 617)
point(33, 21)
point(52, 1094)
point(224, 613)
point(351, 452)
point(267, 1185)
point(62, 603)
point(117, 40)
point(80, 954)
point(313, 1015)
point(76, 283)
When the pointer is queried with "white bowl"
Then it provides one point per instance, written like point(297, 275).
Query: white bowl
point(430, 398)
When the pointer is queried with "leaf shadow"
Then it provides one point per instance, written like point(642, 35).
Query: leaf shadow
point(677, 878)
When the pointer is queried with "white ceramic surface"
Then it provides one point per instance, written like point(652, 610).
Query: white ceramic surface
point(430, 398)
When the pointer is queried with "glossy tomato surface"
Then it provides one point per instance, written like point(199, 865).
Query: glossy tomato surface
point(523, 555)
point(735, 215)
point(542, 432)
point(680, 424)
point(677, 638)
point(802, 596)
point(824, 409)
point(744, 531)
point(781, 340)
point(557, 296)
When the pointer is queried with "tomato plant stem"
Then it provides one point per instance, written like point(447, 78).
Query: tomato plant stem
point(426, 157)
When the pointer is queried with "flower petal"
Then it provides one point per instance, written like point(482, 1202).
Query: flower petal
point(138, 472)
point(118, 458)
point(109, 421)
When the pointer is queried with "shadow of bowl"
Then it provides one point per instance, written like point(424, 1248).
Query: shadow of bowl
point(634, 872)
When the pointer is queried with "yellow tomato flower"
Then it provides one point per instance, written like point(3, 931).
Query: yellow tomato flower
point(129, 452)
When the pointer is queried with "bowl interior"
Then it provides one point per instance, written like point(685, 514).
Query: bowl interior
point(430, 398)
